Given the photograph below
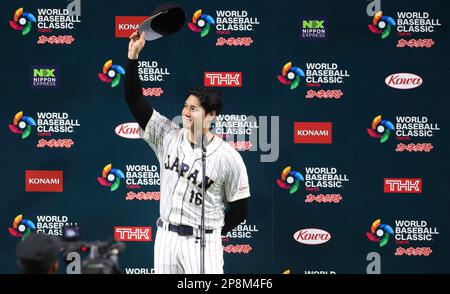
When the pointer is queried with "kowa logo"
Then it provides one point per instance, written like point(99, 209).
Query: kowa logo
point(312, 236)
point(128, 130)
point(403, 81)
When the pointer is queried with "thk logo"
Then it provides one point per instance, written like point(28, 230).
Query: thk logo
point(313, 132)
point(223, 79)
point(393, 185)
point(138, 234)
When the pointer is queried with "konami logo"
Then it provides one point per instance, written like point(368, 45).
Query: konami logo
point(223, 79)
point(312, 236)
point(43, 180)
point(126, 25)
point(313, 132)
point(403, 81)
point(128, 130)
point(402, 185)
point(139, 234)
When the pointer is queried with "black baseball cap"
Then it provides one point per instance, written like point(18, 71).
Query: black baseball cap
point(166, 19)
point(37, 252)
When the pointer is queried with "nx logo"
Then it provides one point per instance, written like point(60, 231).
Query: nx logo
point(374, 266)
point(313, 24)
point(402, 185)
point(223, 79)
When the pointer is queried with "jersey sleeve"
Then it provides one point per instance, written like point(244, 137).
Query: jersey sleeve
point(157, 129)
point(236, 183)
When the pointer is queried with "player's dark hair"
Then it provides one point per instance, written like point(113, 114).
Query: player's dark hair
point(209, 99)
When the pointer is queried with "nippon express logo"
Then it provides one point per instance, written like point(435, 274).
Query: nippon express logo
point(313, 28)
point(315, 179)
point(412, 233)
point(44, 77)
point(313, 132)
point(111, 73)
point(44, 181)
point(22, 21)
point(406, 128)
point(135, 176)
point(43, 224)
point(151, 71)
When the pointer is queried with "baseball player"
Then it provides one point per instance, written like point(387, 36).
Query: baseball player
point(177, 244)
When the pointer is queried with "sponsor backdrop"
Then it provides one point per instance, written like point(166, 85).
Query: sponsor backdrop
point(338, 108)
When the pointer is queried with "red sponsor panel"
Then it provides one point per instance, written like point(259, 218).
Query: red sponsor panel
point(313, 132)
point(402, 185)
point(133, 234)
point(223, 79)
point(43, 180)
point(126, 25)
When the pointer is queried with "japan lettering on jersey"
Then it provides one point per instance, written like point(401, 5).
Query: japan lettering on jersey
point(181, 174)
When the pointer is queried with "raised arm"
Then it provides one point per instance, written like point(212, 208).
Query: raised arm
point(140, 108)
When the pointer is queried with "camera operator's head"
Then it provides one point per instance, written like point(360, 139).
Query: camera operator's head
point(38, 254)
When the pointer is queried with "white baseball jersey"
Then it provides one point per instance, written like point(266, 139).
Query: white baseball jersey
point(181, 175)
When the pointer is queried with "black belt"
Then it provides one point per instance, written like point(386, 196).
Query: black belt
point(181, 230)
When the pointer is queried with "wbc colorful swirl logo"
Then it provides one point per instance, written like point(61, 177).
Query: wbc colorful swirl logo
point(21, 227)
point(380, 232)
point(201, 23)
point(22, 21)
point(111, 177)
point(291, 75)
point(381, 129)
point(22, 125)
point(111, 73)
point(290, 179)
point(381, 25)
